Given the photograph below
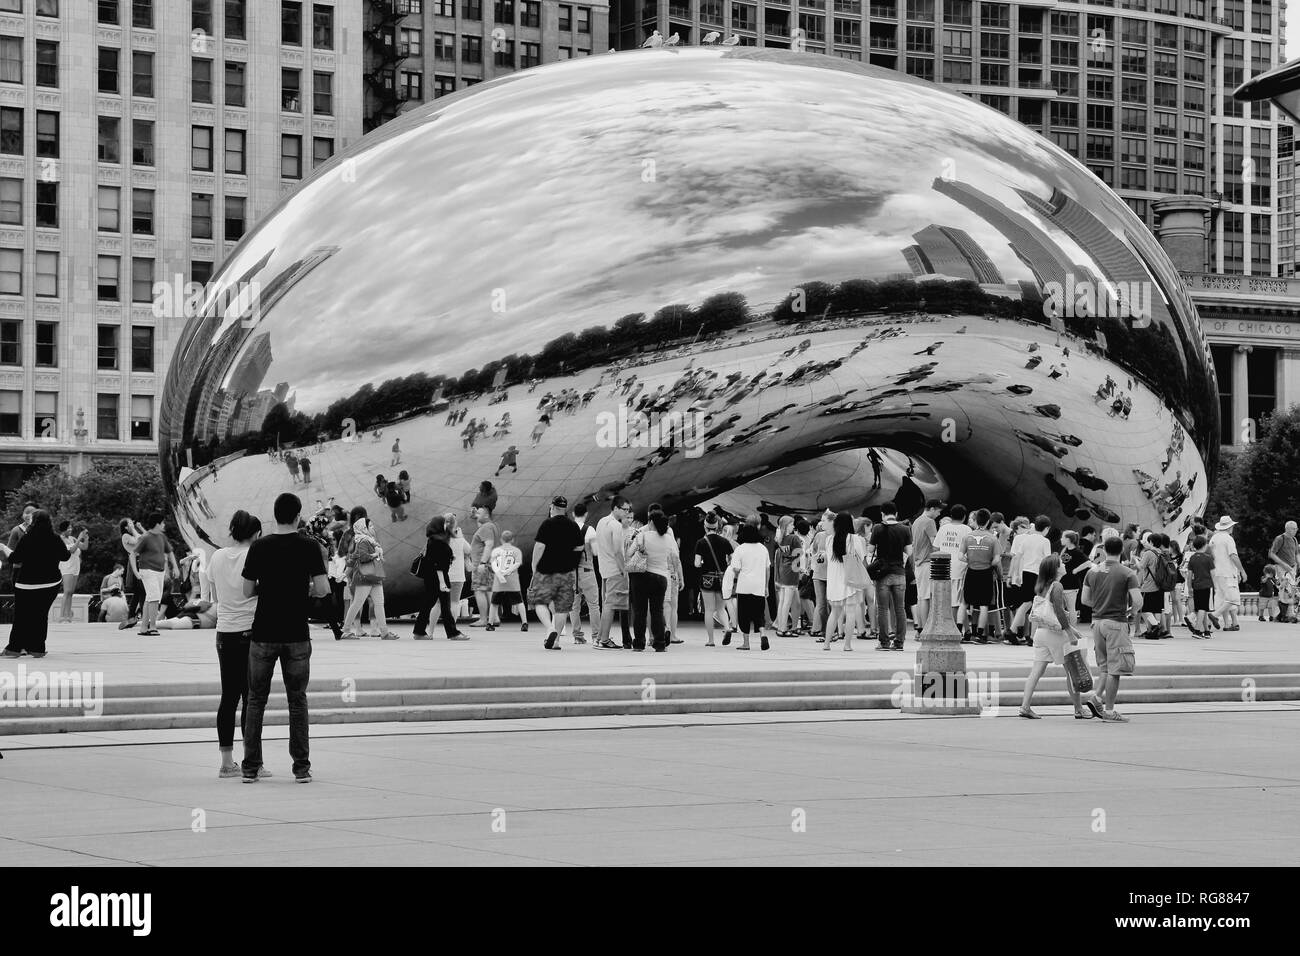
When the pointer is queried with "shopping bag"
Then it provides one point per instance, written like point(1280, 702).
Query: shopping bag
point(1076, 670)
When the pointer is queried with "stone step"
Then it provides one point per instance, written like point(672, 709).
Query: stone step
point(40, 722)
point(897, 662)
point(668, 689)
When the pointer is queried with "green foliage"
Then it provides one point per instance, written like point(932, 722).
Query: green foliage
point(96, 500)
point(1259, 490)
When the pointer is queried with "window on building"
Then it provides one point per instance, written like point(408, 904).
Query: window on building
point(11, 272)
point(957, 11)
point(584, 19)
point(505, 56)
point(503, 11)
point(11, 59)
point(201, 16)
point(1164, 124)
point(1100, 87)
point(1133, 90)
point(47, 134)
point(47, 415)
point(322, 149)
point(531, 15)
point(11, 413)
point(1134, 150)
point(1101, 117)
point(530, 54)
point(200, 216)
point(201, 80)
point(1063, 114)
point(141, 417)
point(1065, 82)
point(412, 85)
point(106, 350)
point(11, 130)
point(47, 8)
point(236, 217)
point(201, 271)
point(920, 39)
point(291, 90)
point(108, 279)
point(920, 66)
point(565, 18)
point(47, 274)
point(47, 204)
point(291, 23)
point(235, 19)
point(291, 157)
point(471, 9)
point(956, 71)
point(1065, 53)
point(11, 202)
point(443, 85)
point(142, 14)
point(110, 139)
point(11, 343)
point(108, 69)
point(47, 63)
point(47, 344)
point(1166, 65)
point(1164, 182)
point(1099, 148)
point(108, 12)
point(322, 27)
point(142, 282)
point(142, 348)
point(201, 148)
point(444, 8)
point(444, 46)
point(920, 10)
point(995, 46)
point(235, 151)
point(142, 142)
point(141, 73)
point(471, 49)
point(142, 211)
point(322, 93)
point(410, 41)
point(106, 417)
point(235, 83)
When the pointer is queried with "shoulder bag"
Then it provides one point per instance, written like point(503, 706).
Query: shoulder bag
point(855, 572)
point(634, 551)
point(711, 580)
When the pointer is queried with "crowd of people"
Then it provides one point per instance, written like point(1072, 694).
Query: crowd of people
point(834, 577)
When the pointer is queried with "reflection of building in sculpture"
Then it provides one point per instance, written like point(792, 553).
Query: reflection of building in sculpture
point(1045, 259)
point(945, 250)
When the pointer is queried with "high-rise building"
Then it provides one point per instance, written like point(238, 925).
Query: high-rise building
point(1139, 90)
point(420, 49)
point(121, 185)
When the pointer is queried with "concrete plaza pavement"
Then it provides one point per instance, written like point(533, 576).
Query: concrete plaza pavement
point(1180, 785)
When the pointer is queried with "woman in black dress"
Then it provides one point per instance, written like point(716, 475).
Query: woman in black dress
point(437, 589)
point(36, 584)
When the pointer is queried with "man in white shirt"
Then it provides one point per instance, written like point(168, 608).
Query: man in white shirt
point(1228, 574)
point(608, 548)
point(923, 532)
point(1027, 552)
point(948, 540)
point(588, 586)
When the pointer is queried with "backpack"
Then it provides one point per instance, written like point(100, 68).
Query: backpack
point(1163, 573)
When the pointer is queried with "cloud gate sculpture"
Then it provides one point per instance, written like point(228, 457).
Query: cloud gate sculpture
point(750, 277)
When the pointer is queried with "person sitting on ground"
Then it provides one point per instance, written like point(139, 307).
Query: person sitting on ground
point(112, 607)
point(201, 615)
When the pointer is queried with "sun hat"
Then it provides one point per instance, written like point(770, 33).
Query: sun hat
point(1224, 524)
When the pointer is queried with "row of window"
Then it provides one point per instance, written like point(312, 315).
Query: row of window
point(233, 13)
point(45, 418)
point(107, 354)
point(503, 11)
point(471, 51)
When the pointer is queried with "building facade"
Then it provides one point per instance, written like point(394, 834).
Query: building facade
point(1139, 90)
point(417, 50)
point(139, 141)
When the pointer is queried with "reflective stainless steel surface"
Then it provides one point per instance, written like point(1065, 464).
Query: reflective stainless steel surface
point(946, 260)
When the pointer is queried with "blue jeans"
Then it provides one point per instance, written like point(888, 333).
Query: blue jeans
point(295, 669)
point(891, 590)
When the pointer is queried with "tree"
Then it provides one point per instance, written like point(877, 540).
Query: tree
point(807, 301)
point(720, 312)
point(97, 499)
point(1258, 488)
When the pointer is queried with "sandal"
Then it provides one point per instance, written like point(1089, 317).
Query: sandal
point(1027, 714)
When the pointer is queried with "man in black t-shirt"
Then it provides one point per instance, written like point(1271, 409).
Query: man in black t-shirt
point(557, 548)
point(284, 570)
point(892, 542)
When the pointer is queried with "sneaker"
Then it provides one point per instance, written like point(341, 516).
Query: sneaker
point(421, 637)
point(302, 777)
point(884, 646)
point(579, 639)
point(226, 772)
point(490, 627)
point(391, 636)
point(1214, 620)
point(8, 653)
point(458, 636)
point(248, 779)
point(608, 645)
point(896, 646)
point(551, 640)
point(1113, 717)
point(523, 628)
